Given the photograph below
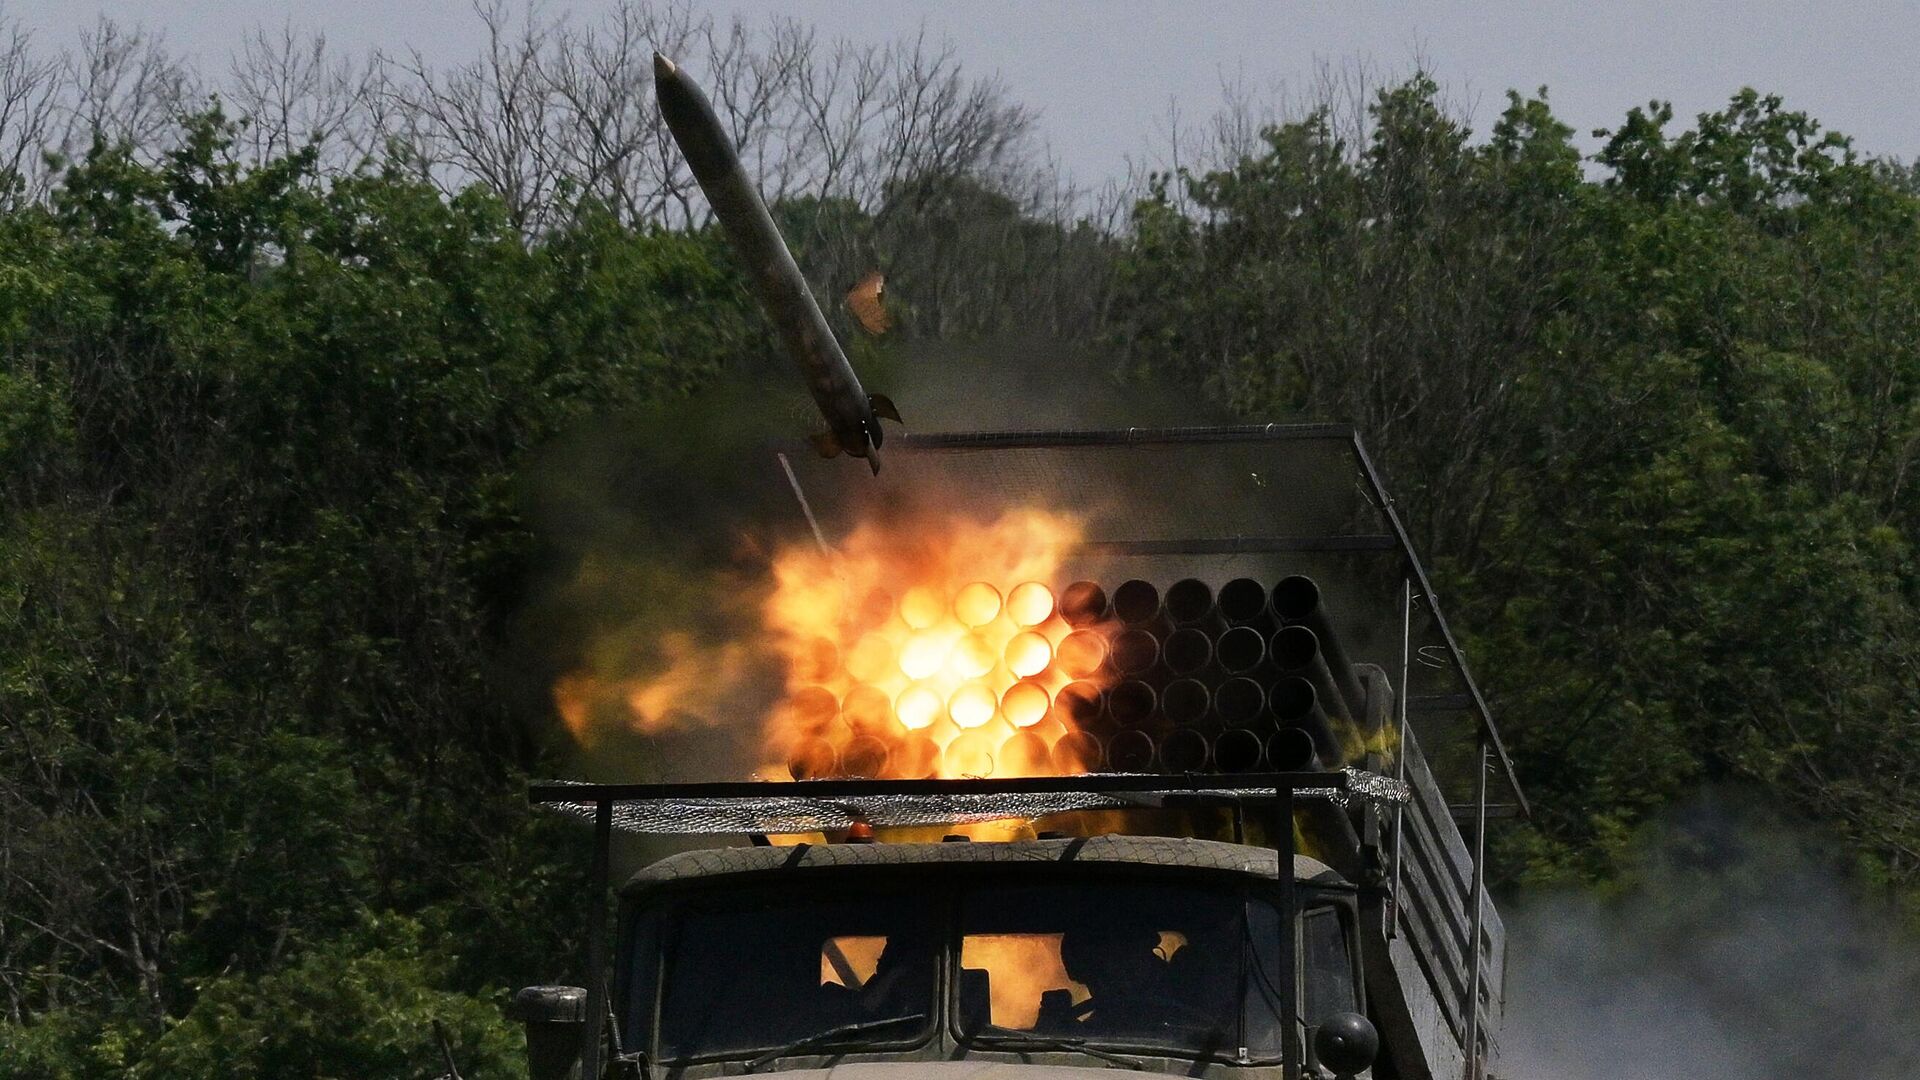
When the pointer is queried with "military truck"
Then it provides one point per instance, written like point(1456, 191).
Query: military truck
point(1233, 855)
point(1199, 914)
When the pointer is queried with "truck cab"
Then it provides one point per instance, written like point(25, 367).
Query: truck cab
point(1153, 953)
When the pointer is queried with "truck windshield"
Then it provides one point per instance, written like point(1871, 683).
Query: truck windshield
point(1191, 968)
point(761, 969)
point(1125, 964)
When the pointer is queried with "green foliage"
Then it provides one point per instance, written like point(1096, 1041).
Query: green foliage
point(260, 433)
point(1657, 428)
point(363, 1006)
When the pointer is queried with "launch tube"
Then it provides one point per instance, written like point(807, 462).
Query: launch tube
point(1186, 651)
point(1292, 750)
point(1083, 604)
point(1243, 602)
point(1130, 751)
point(1183, 751)
point(1237, 750)
point(1296, 599)
point(1294, 701)
point(813, 759)
point(1239, 702)
point(1295, 650)
point(1134, 651)
point(1131, 704)
point(1080, 704)
point(1240, 649)
point(1137, 602)
point(1189, 601)
point(1185, 701)
point(866, 757)
point(1081, 654)
point(1076, 752)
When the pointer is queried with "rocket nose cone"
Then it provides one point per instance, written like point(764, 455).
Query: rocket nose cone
point(662, 67)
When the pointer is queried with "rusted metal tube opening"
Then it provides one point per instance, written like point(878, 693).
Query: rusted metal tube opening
point(1187, 650)
point(1184, 750)
point(1237, 750)
point(1239, 702)
point(1243, 600)
point(1133, 651)
point(1296, 599)
point(813, 759)
point(1291, 750)
point(1131, 704)
point(1295, 701)
point(1185, 701)
point(1136, 602)
point(1084, 603)
point(1240, 649)
point(1130, 751)
point(1189, 600)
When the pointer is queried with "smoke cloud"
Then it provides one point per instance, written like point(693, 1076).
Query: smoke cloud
point(1739, 949)
point(656, 529)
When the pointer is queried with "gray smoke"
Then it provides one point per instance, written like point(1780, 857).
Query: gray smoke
point(1741, 948)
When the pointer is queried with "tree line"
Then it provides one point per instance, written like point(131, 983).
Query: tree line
point(281, 346)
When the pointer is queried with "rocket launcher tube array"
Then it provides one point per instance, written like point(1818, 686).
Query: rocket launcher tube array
point(1181, 680)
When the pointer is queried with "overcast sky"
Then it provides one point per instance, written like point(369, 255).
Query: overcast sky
point(1103, 74)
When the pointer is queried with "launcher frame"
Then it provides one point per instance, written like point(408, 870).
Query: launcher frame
point(1418, 918)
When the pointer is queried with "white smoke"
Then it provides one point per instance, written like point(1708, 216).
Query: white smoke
point(1740, 950)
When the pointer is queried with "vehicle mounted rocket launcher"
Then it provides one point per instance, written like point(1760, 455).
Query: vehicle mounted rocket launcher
point(853, 418)
point(1181, 680)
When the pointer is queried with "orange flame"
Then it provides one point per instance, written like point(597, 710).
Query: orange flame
point(965, 655)
point(930, 647)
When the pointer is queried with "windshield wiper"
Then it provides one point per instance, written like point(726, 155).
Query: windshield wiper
point(1001, 1037)
point(821, 1039)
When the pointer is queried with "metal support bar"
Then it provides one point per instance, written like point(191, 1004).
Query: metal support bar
point(1242, 545)
point(1400, 749)
point(1096, 783)
point(1290, 1051)
point(1479, 904)
point(597, 939)
point(1484, 717)
point(1134, 436)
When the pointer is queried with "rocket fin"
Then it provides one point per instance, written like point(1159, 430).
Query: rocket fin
point(826, 444)
point(873, 459)
point(883, 407)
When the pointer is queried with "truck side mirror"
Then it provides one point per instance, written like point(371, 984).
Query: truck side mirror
point(556, 1020)
point(1346, 1043)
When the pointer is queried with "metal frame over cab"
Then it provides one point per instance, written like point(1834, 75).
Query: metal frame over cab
point(581, 1019)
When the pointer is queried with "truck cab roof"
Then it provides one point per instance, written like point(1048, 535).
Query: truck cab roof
point(1160, 853)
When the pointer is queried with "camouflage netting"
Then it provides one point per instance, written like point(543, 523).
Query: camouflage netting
point(788, 808)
